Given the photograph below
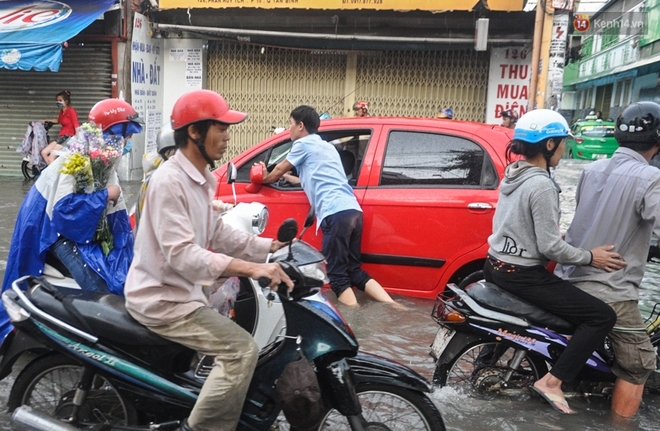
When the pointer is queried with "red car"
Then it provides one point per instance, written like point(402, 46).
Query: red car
point(428, 189)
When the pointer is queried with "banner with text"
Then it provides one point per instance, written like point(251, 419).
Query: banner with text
point(146, 83)
point(508, 82)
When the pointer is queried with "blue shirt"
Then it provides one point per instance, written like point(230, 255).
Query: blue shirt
point(322, 177)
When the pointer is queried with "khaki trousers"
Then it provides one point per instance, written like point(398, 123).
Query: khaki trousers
point(221, 399)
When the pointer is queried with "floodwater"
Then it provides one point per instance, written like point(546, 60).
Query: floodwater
point(405, 336)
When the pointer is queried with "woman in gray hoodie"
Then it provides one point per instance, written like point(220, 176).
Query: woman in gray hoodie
point(526, 237)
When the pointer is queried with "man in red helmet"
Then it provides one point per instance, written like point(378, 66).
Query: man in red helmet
point(182, 245)
point(56, 225)
point(361, 109)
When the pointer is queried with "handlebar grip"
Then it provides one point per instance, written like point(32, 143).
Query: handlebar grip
point(264, 281)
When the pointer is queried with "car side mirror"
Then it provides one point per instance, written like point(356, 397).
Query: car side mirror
point(309, 221)
point(256, 179)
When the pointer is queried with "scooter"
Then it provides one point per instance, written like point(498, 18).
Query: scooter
point(105, 368)
point(30, 169)
point(493, 342)
point(262, 317)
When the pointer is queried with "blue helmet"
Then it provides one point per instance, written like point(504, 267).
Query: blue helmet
point(445, 112)
point(539, 125)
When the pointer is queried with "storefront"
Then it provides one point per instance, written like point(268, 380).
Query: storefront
point(405, 58)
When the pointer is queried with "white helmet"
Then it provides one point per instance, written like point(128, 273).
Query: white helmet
point(165, 139)
point(540, 124)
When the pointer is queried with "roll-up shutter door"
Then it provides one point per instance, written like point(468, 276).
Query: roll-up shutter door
point(25, 96)
point(269, 82)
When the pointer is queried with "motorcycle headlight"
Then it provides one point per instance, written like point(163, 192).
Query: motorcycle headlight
point(316, 270)
point(16, 312)
point(260, 220)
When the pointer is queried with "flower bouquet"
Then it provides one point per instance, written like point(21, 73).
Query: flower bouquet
point(91, 160)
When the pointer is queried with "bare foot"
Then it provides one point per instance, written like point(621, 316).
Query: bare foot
point(399, 306)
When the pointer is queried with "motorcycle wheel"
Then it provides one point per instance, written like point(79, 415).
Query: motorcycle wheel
point(386, 408)
point(28, 170)
point(472, 278)
point(48, 384)
point(481, 368)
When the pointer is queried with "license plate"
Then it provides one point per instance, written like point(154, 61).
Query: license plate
point(601, 156)
point(442, 339)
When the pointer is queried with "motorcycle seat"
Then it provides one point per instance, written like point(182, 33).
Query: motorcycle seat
point(495, 298)
point(104, 314)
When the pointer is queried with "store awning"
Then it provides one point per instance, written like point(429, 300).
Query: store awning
point(32, 32)
point(401, 5)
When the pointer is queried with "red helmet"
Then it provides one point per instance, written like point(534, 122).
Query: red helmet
point(200, 105)
point(361, 105)
point(109, 112)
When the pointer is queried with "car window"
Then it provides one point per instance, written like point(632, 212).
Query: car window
point(351, 144)
point(415, 158)
point(598, 131)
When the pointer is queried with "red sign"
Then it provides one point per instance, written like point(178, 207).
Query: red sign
point(581, 23)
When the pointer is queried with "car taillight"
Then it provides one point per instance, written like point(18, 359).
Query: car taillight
point(579, 140)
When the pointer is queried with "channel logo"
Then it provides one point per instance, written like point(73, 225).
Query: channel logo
point(581, 23)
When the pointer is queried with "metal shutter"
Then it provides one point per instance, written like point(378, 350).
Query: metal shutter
point(28, 95)
point(269, 82)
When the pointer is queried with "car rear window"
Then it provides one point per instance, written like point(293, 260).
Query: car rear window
point(416, 158)
point(598, 131)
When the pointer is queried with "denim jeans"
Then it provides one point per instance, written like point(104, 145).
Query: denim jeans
point(67, 252)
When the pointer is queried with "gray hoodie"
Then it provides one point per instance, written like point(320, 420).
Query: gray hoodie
point(526, 222)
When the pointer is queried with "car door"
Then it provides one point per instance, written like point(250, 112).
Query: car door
point(430, 201)
point(287, 201)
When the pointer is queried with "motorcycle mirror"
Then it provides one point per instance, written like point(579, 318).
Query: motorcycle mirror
point(288, 230)
point(232, 173)
point(231, 178)
point(309, 221)
point(256, 179)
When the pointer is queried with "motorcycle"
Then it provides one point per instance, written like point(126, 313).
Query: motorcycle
point(492, 342)
point(105, 368)
point(28, 168)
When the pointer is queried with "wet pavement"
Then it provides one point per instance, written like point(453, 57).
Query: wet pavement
point(405, 336)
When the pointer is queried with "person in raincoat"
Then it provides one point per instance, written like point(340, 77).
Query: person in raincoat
point(56, 223)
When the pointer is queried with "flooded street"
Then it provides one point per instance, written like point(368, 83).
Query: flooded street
point(405, 336)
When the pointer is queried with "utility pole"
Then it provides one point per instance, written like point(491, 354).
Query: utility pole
point(540, 54)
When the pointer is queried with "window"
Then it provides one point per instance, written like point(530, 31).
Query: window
point(625, 92)
point(610, 35)
point(414, 158)
point(598, 131)
point(587, 46)
point(346, 141)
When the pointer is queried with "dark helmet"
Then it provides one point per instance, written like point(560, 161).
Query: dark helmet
point(510, 113)
point(639, 123)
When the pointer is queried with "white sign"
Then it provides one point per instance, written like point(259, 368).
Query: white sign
point(194, 67)
point(177, 54)
point(146, 83)
point(508, 82)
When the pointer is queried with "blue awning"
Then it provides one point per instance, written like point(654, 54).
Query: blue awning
point(32, 32)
